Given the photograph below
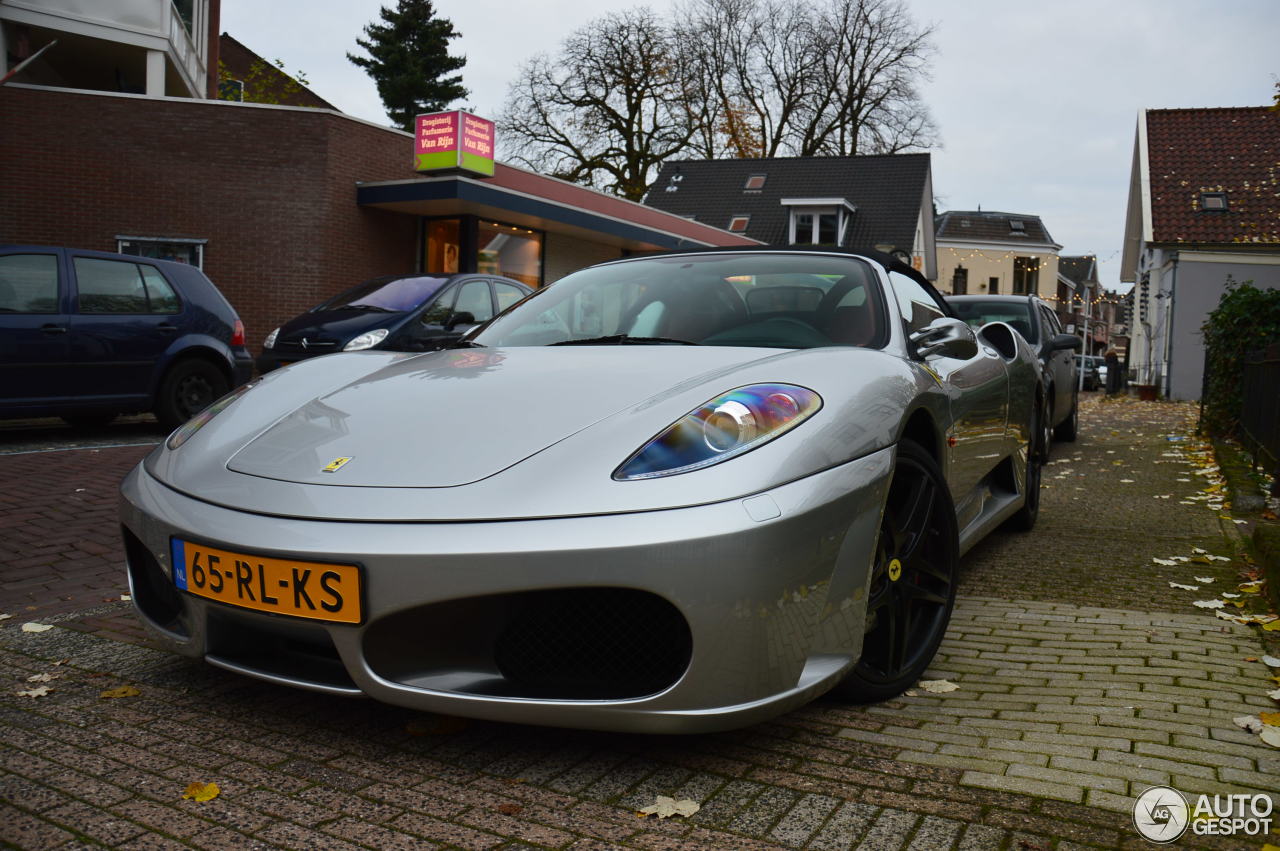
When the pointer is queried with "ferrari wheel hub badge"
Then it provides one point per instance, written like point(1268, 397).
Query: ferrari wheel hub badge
point(895, 570)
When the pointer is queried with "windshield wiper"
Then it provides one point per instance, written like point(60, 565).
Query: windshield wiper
point(624, 340)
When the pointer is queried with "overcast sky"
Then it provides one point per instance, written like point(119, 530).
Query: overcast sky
point(1036, 101)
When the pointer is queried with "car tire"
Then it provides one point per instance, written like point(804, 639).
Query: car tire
point(1024, 520)
point(907, 613)
point(188, 388)
point(91, 420)
point(1066, 430)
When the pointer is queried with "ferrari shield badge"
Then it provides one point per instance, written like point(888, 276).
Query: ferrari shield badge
point(334, 466)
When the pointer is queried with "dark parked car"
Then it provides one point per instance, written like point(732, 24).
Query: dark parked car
point(87, 335)
point(1095, 371)
point(1035, 320)
point(402, 313)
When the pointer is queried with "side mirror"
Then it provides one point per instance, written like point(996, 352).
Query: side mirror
point(945, 337)
point(462, 317)
point(1067, 341)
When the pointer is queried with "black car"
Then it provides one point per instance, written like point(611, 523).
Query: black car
point(86, 335)
point(403, 313)
point(1035, 320)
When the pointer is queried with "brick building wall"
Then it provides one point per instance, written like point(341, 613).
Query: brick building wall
point(272, 189)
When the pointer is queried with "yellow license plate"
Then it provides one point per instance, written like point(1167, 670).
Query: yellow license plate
point(303, 589)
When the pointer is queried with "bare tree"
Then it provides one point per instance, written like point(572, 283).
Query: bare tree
point(607, 110)
point(866, 101)
point(728, 78)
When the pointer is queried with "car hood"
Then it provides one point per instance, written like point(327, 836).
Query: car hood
point(455, 417)
point(338, 326)
point(521, 433)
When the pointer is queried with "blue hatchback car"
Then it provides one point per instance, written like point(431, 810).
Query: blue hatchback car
point(87, 335)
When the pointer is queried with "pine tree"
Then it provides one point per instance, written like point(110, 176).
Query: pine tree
point(409, 60)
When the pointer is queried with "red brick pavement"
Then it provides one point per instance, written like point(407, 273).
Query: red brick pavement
point(60, 550)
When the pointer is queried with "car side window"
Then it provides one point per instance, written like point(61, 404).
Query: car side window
point(474, 298)
point(916, 304)
point(1051, 324)
point(160, 295)
point(438, 312)
point(29, 283)
point(506, 294)
point(114, 286)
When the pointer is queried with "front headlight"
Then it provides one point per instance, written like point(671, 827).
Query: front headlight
point(723, 428)
point(367, 340)
point(184, 432)
point(270, 342)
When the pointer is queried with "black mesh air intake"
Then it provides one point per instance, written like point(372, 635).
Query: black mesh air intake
point(594, 643)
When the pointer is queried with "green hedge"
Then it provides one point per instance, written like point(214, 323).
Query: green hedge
point(1245, 320)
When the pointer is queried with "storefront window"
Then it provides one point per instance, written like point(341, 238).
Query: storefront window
point(443, 246)
point(510, 251)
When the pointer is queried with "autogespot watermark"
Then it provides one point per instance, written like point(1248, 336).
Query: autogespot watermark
point(1162, 814)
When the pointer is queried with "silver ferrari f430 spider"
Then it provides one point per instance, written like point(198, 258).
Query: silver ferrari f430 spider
point(674, 493)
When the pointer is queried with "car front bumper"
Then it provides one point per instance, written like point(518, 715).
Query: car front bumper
point(729, 613)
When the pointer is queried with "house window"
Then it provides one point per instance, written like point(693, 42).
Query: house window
point(1017, 227)
point(816, 227)
point(1213, 201)
point(1026, 275)
point(189, 251)
point(993, 285)
point(738, 224)
point(755, 182)
point(960, 281)
point(818, 221)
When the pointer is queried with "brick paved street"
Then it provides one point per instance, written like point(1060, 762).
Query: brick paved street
point(1083, 678)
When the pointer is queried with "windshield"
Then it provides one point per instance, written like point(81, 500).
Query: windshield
point(979, 313)
point(785, 301)
point(388, 294)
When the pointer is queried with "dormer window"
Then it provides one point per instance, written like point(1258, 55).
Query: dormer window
point(738, 224)
point(818, 221)
point(1017, 227)
point(1213, 202)
point(755, 182)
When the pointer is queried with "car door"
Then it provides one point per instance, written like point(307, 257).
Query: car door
point(977, 389)
point(1061, 362)
point(33, 327)
point(125, 318)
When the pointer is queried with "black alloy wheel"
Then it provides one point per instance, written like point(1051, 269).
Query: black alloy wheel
point(1037, 455)
point(188, 388)
point(912, 588)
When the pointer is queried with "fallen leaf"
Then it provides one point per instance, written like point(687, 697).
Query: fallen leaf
point(32, 626)
point(510, 809)
point(1203, 579)
point(1271, 719)
point(1229, 595)
point(1274, 695)
point(4, 617)
point(1251, 587)
point(38, 691)
point(120, 691)
point(126, 597)
point(1199, 551)
point(1251, 658)
point(1208, 604)
point(1271, 661)
point(1272, 626)
point(665, 807)
point(1166, 562)
point(1184, 587)
point(1271, 735)
point(1249, 723)
point(201, 792)
point(42, 678)
point(937, 686)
